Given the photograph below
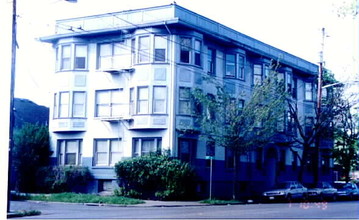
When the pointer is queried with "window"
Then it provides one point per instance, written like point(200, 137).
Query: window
point(160, 52)
point(309, 123)
point(133, 50)
point(72, 56)
point(257, 74)
point(80, 56)
point(289, 83)
point(229, 158)
point(70, 102)
point(69, 152)
point(64, 104)
point(142, 100)
point(108, 103)
point(159, 99)
point(110, 55)
point(78, 104)
point(211, 111)
point(107, 152)
point(282, 163)
point(184, 101)
point(185, 52)
point(65, 57)
point(294, 90)
point(290, 123)
point(144, 49)
point(132, 101)
point(187, 149)
point(230, 65)
point(259, 158)
point(294, 160)
point(240, 74)
point(308, 91)
point(197, 52)
point(211, 60)
point(145, 146)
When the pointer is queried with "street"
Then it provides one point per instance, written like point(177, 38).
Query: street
point(311, 210)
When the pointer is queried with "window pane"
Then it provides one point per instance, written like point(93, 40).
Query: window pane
point(230, 65)
point(66, 57)
point(101, 159)
point(197, 55)
point(78, 108)
point(142, 100)
point(80, 56)
point(64, 104)
point(185, 50)
point(160, 48)
point(144, 49)
point(101, 146)
point(70, 159)
point(257, 74)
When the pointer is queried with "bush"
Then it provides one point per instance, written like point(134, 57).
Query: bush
point(155, 177)
point(63, 179)
point(31, 152)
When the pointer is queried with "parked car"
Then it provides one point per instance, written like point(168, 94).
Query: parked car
point(286, 191)
point(347, 191)
point(322, 191)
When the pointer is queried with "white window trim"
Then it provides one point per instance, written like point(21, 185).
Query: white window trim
point(108, 151)
point(70, 105)
point(61, 153)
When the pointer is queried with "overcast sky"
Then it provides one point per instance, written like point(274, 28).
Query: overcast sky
point(291, 25)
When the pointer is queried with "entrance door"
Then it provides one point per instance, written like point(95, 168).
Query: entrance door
point(271, 167)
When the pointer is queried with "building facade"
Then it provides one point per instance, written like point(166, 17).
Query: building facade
point(122, 87)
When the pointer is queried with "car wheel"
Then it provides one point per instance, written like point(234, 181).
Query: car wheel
point(334, 197)
point(289, 198)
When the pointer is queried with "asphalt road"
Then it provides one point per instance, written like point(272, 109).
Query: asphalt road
point(312, 210)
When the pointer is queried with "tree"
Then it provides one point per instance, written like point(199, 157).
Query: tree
point(31, 152)
point(225, 120)
point(308, 131)
point(345, 152)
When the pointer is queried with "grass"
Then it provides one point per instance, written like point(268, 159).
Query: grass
point(221, 202)
point(24, 213)
point(84, 198)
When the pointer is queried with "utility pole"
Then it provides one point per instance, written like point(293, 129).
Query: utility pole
point(12, 92)
point(316, 172)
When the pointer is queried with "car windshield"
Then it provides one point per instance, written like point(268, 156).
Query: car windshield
point(283, 185)
point(342, 186)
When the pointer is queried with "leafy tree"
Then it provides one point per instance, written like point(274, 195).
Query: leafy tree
point(155, 176)
point(31, 151)
point(241, 128)
point(346, 149)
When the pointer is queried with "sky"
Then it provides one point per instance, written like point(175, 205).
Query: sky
point(294, 26)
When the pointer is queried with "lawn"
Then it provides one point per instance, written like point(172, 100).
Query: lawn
point(83, 198)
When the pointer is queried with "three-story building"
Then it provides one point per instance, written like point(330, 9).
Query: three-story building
point(122, 89)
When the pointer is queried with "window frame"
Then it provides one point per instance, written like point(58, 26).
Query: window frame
point(61, 153)
point(139, 101)
point(111, 105)
point(157, 144)
point(156, 99)
point(184, 99)
point(211, 61)
point(308, 91)
point(69, 107)
point(157, 47)
point(71, 60)
point(109, 151)
point(256, 75)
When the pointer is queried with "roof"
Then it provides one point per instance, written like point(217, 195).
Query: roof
point(172, 14)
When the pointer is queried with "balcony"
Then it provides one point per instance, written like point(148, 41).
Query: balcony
point(69, 125)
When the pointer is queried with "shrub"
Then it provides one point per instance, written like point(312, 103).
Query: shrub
point(63, 178)
point(31, 152)
point(155, 177)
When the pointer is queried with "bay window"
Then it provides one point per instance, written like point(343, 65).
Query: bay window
point(211, 60)
point(234, 66)
point(197, 52)
point(110, 55)
point(185, 50)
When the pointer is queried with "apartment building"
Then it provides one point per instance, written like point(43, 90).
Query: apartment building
point(122, 87)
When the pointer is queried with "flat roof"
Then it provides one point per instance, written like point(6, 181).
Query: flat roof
point(169, 15)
